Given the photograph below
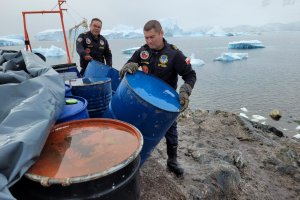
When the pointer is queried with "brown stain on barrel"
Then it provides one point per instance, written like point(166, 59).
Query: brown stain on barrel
point(84, 148)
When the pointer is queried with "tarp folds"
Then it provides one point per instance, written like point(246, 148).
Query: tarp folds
point(31, 101)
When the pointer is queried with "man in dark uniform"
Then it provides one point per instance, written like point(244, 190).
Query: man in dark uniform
point(91, 45)
point(165, 61)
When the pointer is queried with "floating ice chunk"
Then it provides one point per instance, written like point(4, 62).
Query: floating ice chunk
point(11, 40)
point(229, 57)
point(50, 35)
point(297, 136)
point(130, 50)
point(218, 32)
point(53, 51)
point(244, 44)
point(244, 109)
point(195, 61)
point(244, 115)
point(298, 128)
point(258, 118)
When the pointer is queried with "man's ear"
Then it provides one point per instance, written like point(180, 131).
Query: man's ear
point(161, 33)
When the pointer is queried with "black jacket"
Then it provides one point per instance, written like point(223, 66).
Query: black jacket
point(166, 64)
point(98, 47)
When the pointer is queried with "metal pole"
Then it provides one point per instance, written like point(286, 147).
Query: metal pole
point(27, 42)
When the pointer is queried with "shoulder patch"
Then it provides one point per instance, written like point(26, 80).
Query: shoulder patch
point(174, 47)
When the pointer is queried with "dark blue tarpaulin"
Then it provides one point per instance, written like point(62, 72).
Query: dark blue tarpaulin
point(30, 101)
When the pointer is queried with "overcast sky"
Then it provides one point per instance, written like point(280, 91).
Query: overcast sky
point(188, 14)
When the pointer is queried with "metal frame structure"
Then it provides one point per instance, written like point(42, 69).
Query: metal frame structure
point(60, 12)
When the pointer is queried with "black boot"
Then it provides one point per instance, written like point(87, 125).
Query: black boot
point(172, 163)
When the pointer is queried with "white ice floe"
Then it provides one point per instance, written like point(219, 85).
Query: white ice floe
point(297, 136)
point(257, 118)
point(298, 128)
point(244, 115)
point(245, 44)
point(11, 40)
point(228, 57)
point(53, 51)
point(196, 61)
point(130, 50)
point(244, 109)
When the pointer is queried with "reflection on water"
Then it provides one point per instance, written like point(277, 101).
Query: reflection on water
point(72, 152)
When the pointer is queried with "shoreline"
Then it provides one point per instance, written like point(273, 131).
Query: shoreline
point(224, 157)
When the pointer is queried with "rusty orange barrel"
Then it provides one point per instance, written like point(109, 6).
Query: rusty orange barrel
point(86, 159)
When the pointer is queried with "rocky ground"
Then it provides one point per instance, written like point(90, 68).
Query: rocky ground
point(225, 157)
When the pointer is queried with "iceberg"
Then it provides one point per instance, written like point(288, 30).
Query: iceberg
point(244, 109)
point(123, 32)
point(229, 57)
point(53, 51)
point(130, 50)
point(11, 40)
point(257, 118)
point(297, 136)
point(170, 27)
point(218, 32)
point(244, 44)
point(244, 115)
point(195, 61)
point(50, 35)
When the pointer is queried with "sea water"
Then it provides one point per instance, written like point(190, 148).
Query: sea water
point(269, 79)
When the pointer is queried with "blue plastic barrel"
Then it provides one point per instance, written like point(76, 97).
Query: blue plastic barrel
point(149, 104)
point(68, 91)
point(96, 69)
point(73, 111)
point(97, 92)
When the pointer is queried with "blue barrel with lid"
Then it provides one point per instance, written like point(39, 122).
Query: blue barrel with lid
point(74, 108)
point(149, 104)
point(68, 89)
point(66, 69)
point(97, 92)
point(96, 69)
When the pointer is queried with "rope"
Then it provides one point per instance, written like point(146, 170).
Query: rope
point(75, 11)
point(54, 7)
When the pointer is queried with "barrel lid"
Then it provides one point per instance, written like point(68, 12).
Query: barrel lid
point(74, 108)
point(83, 150)
point(154, 91)
point(89, 81)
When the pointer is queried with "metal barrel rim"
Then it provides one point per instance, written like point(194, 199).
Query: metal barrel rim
point(88, 177)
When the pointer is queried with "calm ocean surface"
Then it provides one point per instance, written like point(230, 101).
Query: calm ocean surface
point(269, 79)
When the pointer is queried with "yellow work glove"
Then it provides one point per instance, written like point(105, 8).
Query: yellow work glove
point(184, 94)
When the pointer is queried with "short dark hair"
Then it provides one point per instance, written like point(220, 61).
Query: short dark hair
point(96, 19)
point(153, 24)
